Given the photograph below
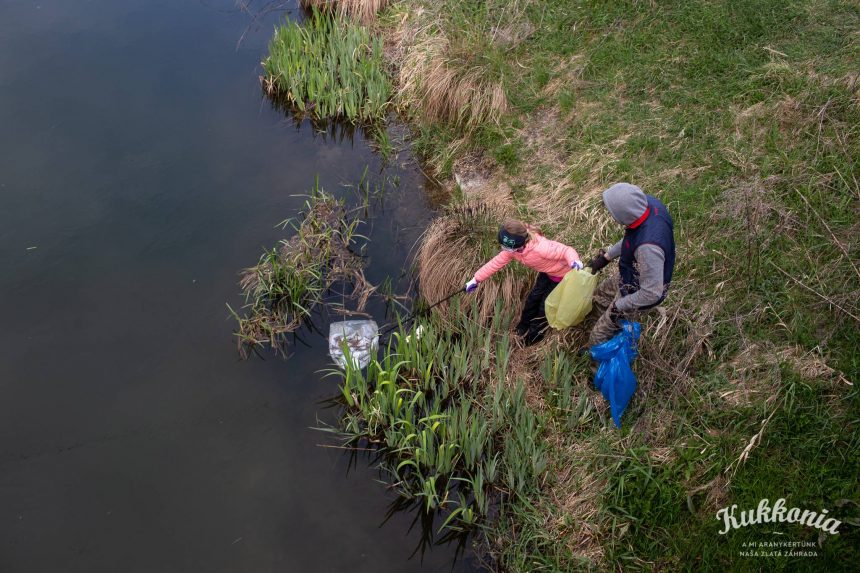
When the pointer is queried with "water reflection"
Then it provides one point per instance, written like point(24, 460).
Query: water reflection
point(426, 524)
point(146, 172)
point(328, 129)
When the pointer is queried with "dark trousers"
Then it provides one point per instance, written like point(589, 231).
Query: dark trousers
point(533, 324)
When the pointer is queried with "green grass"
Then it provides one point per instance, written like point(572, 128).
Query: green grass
point(328, 68)
point(761, 199)
point(801, 457)
point(743, 117)
point(450, 439)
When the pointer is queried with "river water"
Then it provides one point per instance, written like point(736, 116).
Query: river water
point(140, 169)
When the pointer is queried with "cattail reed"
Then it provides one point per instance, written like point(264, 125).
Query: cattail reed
point(452, 432)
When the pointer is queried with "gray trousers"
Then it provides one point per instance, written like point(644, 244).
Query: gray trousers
point(605, 293)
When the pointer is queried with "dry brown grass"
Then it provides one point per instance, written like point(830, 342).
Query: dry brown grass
point(755, 377)
point(364, 11)
point(453, 247)
point(566, 75)
point(523, 367)
point(573, 210)
point(480, 181)
point(758, 380)
point(441, 83)
point(717, 493)
point(771, 204)
point(573, 516)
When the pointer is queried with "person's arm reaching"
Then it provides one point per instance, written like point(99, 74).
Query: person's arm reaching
point(650, 259)
point(614, 251)
point(603, 258)
point(572, 258)
point(494, 265)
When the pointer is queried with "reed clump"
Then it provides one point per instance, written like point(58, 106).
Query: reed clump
point(328, 68)
point(449, 81)
point(290, 280)
point(456, 435)
point(364, 11)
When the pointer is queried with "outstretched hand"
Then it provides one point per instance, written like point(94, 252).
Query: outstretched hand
point(599, 261)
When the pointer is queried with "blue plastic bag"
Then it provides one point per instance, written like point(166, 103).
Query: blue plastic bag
point(615, 378)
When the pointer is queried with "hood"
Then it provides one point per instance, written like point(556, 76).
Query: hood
point(625, 202)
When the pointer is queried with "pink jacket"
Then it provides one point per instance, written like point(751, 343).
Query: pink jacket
point(540, 254)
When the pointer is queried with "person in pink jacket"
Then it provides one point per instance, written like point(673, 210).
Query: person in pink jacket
point(552, 260)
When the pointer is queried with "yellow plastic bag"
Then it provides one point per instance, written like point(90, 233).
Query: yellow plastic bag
point(570, 302)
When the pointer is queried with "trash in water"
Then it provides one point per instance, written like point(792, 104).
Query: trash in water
point(418, 332)
point(361, 339)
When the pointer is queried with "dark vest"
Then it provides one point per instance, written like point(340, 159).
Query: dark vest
point(656, 229)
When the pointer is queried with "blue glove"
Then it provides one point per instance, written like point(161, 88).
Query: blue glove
point(471, 286)
point(576, 265)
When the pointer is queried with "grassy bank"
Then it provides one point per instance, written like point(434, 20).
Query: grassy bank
point(743, 118)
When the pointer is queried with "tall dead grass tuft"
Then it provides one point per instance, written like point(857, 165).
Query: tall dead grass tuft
point(454, 246)
point(364, 11)
point(444, 82)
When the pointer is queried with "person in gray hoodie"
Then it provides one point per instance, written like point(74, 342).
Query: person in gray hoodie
point(646, 259)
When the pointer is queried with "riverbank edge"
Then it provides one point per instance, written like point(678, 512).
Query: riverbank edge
point(716, 376)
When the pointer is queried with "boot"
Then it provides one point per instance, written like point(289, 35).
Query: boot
point(522, 329)
point(534, 335)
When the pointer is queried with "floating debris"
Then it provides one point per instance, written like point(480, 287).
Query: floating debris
point(292, 279)
point(356, 340)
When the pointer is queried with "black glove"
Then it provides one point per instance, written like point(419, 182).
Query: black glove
point(598, 262)
point(614, 313)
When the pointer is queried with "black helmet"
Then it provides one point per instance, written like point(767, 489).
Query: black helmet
point(510, 241)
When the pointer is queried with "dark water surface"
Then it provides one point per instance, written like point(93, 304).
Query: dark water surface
point(139, 170)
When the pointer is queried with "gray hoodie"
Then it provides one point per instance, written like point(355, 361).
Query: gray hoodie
point(626, 203)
